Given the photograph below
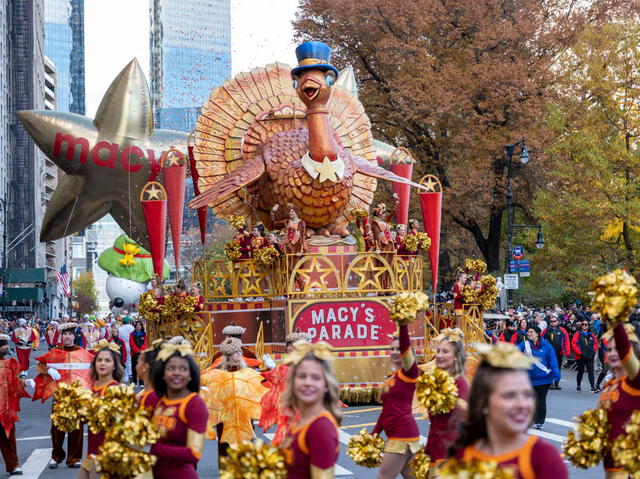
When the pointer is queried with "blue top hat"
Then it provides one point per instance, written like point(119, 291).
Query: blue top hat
point(313, 55)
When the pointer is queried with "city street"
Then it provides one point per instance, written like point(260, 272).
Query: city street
point(34, 443)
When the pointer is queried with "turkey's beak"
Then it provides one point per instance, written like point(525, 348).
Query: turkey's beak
point(310, 89)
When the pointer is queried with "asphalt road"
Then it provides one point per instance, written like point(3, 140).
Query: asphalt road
point(34, 444)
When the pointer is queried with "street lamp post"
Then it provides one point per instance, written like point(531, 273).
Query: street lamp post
point(524, 159)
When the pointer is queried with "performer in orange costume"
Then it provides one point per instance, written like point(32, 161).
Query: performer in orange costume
point(248, 356)
point(311, 397)
point(271, 402)
point(106, 372)
point(67, 363)
point(620, 395)
point(501, 408)
point(396, 418)
point(23, 337)
point(11, 391)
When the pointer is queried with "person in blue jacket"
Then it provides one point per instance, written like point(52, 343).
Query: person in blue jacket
point(543, 373)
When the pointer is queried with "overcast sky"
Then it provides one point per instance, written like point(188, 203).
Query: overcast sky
point(118, 30)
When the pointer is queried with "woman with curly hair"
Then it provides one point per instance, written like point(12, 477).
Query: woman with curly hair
point(501, 407)
point(106, 371)
point(311, 400)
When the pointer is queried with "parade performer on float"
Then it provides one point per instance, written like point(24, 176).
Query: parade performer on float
point(450, 357)
point(23, 337)
point(233, 397)
point(180, 413)
point(248, 356)
point(271, 402)
point(312, 401)
point(106, 371)
point(381, 227)
point(11, 391)
point(501, 408)
point(67, 363)
point(257, 240)
point(458, 297)
point(194, 291)
point(401, 235)
point(243, 239)
point(396, 418)
point(295, 230)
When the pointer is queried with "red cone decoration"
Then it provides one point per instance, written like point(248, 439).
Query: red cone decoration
point(174, 173)
point(202, 212)
point(431, 203)
point(153, 199)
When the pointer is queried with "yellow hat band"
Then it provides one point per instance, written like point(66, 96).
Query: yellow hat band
point(311, 61)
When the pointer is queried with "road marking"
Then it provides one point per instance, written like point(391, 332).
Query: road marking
point(561, 422)
point(269, 436)
point(352, 411)
point(34, 438)
point(353, 426)
point(338, 470)
point(547, 435)
point(36, 463)
point(423, 440)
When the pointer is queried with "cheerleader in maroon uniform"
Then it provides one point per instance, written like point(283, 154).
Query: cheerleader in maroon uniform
point(450, 357)
point(501, 407)
point(180, 413)
point(396, 418)
point(458, 297)
point(620, 395)
point(144, 366)
point(312, 445)
point(106, 371)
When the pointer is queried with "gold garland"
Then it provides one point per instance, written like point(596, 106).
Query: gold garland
point(148, 306)
point(614, 296)
point(256, 460)
point(359, 213)
point(436, 390)
point(265, 256)
point(417, 241)
point(176, 306)
point(72, 403)
point(407, 305)
point(586, 448)
point(626, 447)
point(232, 251)
point(119, 461)
point(236, 221)
point(365, 449)
point(420, 464)
point(475, 265)
point(456, 469)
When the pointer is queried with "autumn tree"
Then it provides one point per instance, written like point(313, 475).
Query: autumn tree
point(454, 81)
point(590, 195)
point(85, 296)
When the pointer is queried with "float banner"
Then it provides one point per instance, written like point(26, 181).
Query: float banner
point(431, 203)
point(344, 323)
point(402, 190)
point(154, 207)
point(173, 178)
point(202, 211)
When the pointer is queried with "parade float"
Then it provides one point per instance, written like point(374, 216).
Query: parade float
point(287, 156)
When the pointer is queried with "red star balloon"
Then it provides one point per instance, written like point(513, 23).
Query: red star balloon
point(107, 160)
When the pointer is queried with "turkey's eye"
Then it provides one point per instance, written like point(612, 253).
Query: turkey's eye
point(295, 84)
point(330, 77)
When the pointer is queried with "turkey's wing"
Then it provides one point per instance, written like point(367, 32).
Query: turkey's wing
point(370, 169)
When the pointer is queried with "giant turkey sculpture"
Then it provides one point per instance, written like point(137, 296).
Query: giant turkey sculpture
point(264, 141)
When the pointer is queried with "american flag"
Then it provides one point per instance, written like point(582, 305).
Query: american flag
point(63, 280)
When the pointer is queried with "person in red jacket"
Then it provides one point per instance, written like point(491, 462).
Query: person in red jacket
point(585, 346)
point(137, 344)
point(559, 340)
point(509, 336)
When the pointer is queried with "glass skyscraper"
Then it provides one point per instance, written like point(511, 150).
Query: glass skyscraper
point(190, 46)
point(64, 45)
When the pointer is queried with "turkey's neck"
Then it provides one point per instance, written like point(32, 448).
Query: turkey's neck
point(321, 142)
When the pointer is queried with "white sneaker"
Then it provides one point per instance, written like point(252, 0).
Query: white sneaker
point(53, 464)
point(16, 472)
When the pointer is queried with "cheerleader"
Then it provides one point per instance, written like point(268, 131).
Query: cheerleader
point(180, 413)
point(501, 408)
point(450, 357)
point(620, 395)
point(106, 371)
point(396, 418)
point(144, 366)
point(312, 446)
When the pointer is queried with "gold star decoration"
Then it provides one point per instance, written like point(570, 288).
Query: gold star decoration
point(431, 183)
point(328, 170)
point(107, 161)
point(153, 191)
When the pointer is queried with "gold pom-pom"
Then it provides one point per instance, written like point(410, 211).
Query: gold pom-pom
point(586, 448)
point(111, 408)
point(614, 296)
point(256, 460)
point(232, 251)
point(475, 265)
point(118, 461)
point(436, 390)
point(417, 241)
point(359, 213)
point(365, 449)
point(456, 468)
point(470, 295)
point(177, 306)
point(407, 305)
point(626, 447)
point(265, 256)
point(236, 221)
point(148, 306)
point(71, 406)
point(420, 464)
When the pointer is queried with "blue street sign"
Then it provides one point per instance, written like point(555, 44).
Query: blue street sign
point(517, 252)
point(513, 266)
point(525, 265)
